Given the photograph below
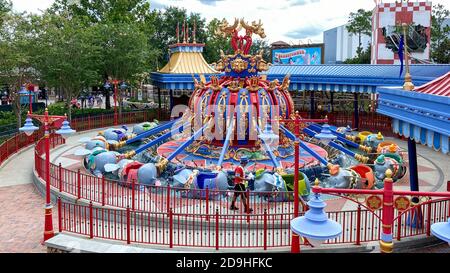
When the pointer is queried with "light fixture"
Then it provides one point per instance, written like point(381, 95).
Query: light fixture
point(28, 128)
point(65, 131)
point(315, 225)
point(325, 136)
point(442, 230)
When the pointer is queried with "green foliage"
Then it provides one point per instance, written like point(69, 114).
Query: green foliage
point(362, 56)
point(7, 118)
point(440, 42)
point(360, 23)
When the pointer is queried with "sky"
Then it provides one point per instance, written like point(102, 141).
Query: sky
point(292, 21)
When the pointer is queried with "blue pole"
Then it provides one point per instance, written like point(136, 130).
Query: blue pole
point(161, 138)
point(291, 136)
point(341, 137)
point(152, 131)
point(272, 157)
point(226, 143)
point(333, 144)
point(187, 143)
point(413, 173)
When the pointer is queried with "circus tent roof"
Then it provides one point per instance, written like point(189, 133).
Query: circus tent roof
point(187, 59)
point(439, 86)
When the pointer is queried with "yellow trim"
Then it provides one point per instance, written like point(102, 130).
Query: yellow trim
point(386, 247)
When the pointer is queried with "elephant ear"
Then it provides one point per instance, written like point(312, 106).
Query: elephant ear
point(111, 167)
point(82, 152)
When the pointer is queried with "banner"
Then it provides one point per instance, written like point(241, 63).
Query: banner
point(297, 56)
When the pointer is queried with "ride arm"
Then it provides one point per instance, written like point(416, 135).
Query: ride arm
point(157, 140)
point(272, 157)
point(227, 142)
point(291, 136)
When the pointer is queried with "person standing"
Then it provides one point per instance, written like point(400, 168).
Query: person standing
point(239, 186)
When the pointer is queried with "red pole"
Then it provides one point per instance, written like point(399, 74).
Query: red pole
point(31, 103)
point(48, 231)
point(207, 203)
point(128, 226)
point(59, 215)
point(217, 229)
point(358, 226)
point(168, 197)
point(170, 228)
point(265, 229)
point(103, 191)
point(60, 177)
point(387, 219)
point(429, 219)
point(91, 221)
point(295, 240)
point(78, 184)
point(132, 194)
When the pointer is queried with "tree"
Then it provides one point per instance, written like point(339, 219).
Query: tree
point(215, 42)
point(360, 23)
point(363, 57)
point(68, 54)
point(16, 55)
point(258, 45)
point(440, 42)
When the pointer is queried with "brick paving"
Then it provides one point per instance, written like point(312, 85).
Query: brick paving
point(22, 219)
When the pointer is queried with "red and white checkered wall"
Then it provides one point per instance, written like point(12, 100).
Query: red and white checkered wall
point(391, 14)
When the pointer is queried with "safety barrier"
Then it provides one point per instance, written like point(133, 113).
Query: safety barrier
point(218, 230)
point(199, 218)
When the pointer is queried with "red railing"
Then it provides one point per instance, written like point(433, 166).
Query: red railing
point(217, 230)
point(180, 217)
point(16, 143)
point(370, 121)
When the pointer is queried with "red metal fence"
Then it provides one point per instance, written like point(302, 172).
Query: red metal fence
point(370, 121)
point(218, 230)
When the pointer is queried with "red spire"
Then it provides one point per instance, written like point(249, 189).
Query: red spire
point(193, 32)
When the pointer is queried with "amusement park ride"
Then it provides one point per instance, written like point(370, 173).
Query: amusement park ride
point(242, 114)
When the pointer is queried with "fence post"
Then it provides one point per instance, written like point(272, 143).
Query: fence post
point(89, 122)
point(128, 225)
point(358, 226)
point(429, 219)
point(170, 228)
point(6, 144)
point(217, 229)
point(78, 184)
point(399, 227)
point(207, 203)
point(91, 221)
point(265, 229)
point(248, 205)
point(59, 215)
point(103, 190)
point(132, 194)
point(17, 144)
point(168, 198)
point(60, 176)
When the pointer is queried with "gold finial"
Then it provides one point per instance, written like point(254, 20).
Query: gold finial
point(46, 109)
point(29, 112)
point(316, 182)
point(392, 148)
point(379, 136)
point(388, 173)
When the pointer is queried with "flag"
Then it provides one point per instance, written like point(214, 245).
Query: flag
point(400, 53)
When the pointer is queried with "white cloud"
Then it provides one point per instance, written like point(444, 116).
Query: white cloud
point(288, 20)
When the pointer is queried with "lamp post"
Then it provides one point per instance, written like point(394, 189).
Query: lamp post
point(315, 225)
point(65, 131)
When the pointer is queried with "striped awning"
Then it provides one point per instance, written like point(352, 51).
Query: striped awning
point(333, 87)
point(422, 135)
point(438, 87)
